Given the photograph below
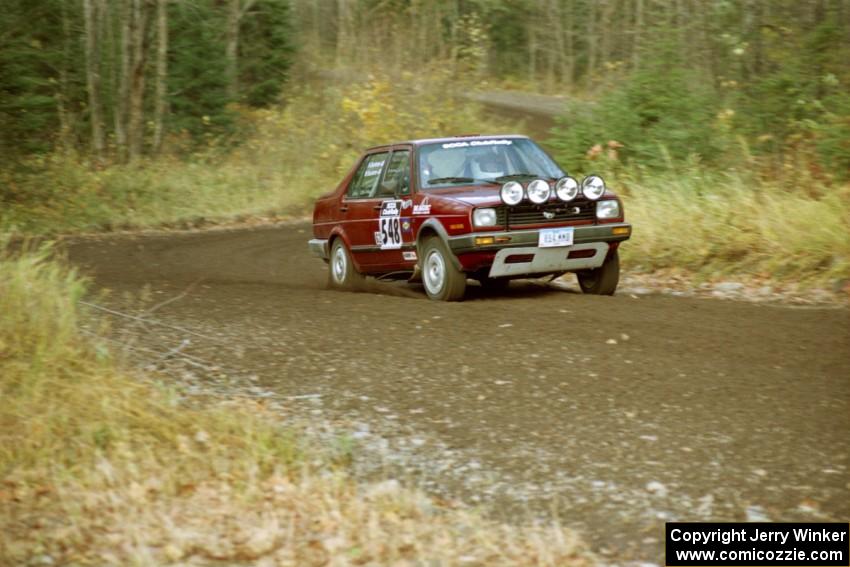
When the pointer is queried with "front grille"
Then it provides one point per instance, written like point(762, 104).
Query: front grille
point(527, 214)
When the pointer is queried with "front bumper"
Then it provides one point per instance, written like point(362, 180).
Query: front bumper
point(526, 261)
point(525, 238)
point(516, 253)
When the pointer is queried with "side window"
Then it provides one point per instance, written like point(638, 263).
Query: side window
point(365, 181)
point(397, 177)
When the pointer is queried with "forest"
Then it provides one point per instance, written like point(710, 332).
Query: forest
point(123, 113)
point(112, 78)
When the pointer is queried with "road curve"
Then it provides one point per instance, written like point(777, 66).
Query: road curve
point(615, 413)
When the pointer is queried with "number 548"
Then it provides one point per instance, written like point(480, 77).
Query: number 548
point(390, 231)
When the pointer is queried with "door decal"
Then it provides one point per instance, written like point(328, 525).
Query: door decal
point(389, 225)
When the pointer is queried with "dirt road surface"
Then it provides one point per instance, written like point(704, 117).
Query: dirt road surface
point(615, 414)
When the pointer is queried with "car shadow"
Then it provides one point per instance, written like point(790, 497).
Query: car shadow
point(517, 289)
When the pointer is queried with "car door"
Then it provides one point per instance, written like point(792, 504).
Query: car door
point(393, 229)
point(360, 207)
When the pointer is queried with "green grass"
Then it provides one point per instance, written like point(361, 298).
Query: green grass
point(720, 224)
point(154, 193)
point(98, 466)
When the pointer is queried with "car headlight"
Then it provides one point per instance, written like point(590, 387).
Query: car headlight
point(511, 193)
point(607, 209)
point(484, 217)
point(538, 191)
point(566, 188)
point(593, 187)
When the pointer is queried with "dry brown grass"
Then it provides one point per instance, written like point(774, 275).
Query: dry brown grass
point(103, 468)
point(117, 518)
point(727, 224)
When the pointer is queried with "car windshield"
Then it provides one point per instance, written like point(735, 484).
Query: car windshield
point(483, 161)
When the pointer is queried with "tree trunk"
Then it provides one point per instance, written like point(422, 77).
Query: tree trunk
point(532, 50)
point(235, 12)
point(342, 31)
point(317, 26)
point(591, 43)
point(93, 78)
point(553, 52)
point(140, 44)
point(62, 96)
point(454, 17)
point(607, 31)
point(232, 49)
point(161, 72)
point(571, 51)
point(758, 50)
point(638, 34)
point(123, 95)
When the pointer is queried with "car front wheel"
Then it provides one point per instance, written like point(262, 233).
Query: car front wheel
point(342, 274)
point(442, 280)
point(602, 280)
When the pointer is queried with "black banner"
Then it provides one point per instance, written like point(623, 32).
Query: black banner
point(760, 543)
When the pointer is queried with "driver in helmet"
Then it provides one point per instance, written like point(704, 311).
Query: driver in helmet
point(487, 166)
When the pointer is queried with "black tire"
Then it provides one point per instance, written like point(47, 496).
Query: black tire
point(602, 280)
point(442, 280)
point(341, 271)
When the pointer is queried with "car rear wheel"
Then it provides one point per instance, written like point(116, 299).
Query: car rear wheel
point(341, 271)
point(602, 280)
point(442, 280)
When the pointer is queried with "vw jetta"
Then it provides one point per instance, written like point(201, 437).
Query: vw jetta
point(488, 208)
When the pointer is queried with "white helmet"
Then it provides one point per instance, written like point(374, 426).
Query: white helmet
point(486, 166)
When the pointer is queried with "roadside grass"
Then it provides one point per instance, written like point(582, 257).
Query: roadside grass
point(99, 466)
point(157, 192)
point(719, 224)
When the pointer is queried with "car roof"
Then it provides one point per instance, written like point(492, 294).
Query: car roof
point(423, 141)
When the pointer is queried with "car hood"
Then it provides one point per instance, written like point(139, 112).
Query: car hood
point(475, 195)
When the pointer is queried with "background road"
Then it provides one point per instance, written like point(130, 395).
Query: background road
point(615, 414)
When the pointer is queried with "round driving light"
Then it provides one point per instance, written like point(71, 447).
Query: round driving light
point(538, 191)
point(511, 193)
point(593, 187)
point(566, 188)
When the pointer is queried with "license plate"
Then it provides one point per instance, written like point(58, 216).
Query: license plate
point(552, 237)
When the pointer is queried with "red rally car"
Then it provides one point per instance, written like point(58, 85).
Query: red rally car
point(489, 208)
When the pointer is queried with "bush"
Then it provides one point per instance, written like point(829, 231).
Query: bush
point(661, 112)
point(793, 113)
point(832, 135)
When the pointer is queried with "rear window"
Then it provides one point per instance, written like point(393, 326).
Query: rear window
point(365, 181)
point(397, 176)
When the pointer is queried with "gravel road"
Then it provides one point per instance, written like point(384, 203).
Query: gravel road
point(614, 414)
